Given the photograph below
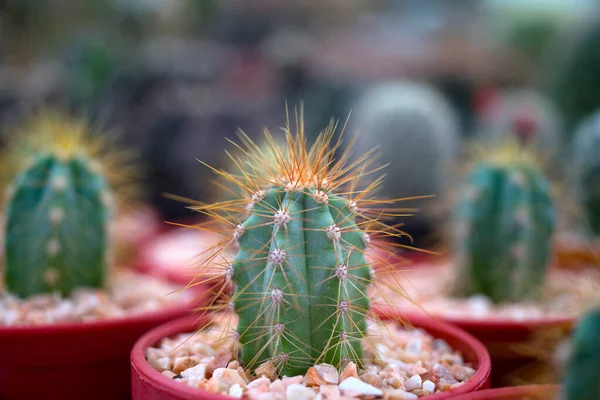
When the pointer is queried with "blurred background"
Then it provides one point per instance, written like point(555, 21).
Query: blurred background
point(421, 77)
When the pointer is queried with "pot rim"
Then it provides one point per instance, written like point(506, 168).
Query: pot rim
point(154, 378)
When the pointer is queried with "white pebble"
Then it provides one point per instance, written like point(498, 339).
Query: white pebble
point(428, 386)
point(299, 392)
point(414, 346)
point(357, 386)
point(196, 371)
point(412, 383)
point(479, 306)
point(236, 391)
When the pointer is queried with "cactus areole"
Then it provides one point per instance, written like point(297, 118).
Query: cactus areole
point(505, 220)
point(58, 205)
point(300, 274)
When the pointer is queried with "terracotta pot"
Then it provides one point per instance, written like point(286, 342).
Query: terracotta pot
point(74, 361)
point(149, 384)
point(528, 392)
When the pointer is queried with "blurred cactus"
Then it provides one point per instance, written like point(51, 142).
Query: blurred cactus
point(585, 171)
point(505, 220)
point(416, 131)
point(570, 75)
point(582, 380)
point(58, 207)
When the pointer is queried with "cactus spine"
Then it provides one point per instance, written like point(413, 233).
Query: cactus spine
point(506, 218)
point(582, 380)
point(57, 211)
point(300, 275)
point(585, 172)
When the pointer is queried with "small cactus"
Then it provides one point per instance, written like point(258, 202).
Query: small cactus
point(585, 171)
point(505, 220)
point(57, 209)
point(582, 380)
point(300, 275)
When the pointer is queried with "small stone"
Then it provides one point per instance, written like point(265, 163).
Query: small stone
point(268, 370)
point(224, 379)
point(398, 394)
point(161, 364)
point(428, 386)
point(220, 360)
point(182, 363)
point(330, 392)
point(260, 385)
point(356, 386)
point(197, 371)
point(412, 383)
point(169, 374)
point(286, 380)
point(277, 387)
point(233, 364)
point(349, 371)
point(313, 378)
point(236, 391)
point(328, 373)
point(299, 392)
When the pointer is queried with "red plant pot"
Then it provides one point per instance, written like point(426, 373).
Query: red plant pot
point(149, 384)
point(501, 338)
point(74, 361)
point(528, 392)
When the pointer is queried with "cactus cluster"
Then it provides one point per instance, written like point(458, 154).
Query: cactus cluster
point(585, 172)
point(505, 221)
point(300, 274)
point(582, 380)
point(58, 205)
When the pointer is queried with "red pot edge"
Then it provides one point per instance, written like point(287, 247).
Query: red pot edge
point(87, 326)
point(142, 370)
point(507, 392)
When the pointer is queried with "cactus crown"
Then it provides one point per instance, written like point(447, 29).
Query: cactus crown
point(58, 204)
point(300, 274)
point(505, 220)
point(582, 380)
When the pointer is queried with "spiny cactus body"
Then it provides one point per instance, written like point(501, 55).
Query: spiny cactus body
point(585, 172)
point(58, 207)
point(506, 218)
point(300, 275)
point(582, 380)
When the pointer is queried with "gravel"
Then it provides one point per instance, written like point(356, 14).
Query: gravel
point(398, 364)
point(128, 293)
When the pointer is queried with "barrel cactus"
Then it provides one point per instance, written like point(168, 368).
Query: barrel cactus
point(301, 273)
point(585, 172)
point(582, 380)
point(417, 132)
point(505, 220)
point(58, 205)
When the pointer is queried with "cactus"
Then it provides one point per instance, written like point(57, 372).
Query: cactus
point(58, 206)
point(418, 134)
point(585, 171)
point(300, 275)
point(506, 218)
point(582, 380)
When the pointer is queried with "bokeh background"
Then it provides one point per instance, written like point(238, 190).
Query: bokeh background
point(174, 78)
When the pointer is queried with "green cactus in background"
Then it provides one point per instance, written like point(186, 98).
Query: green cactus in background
point(506, 218)
point(570, 73)
point(57, 211)
point(582, 380)
point(585, 171)
point(302, 228)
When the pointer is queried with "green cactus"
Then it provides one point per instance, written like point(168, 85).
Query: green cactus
point(506, 218)
point(585, 171)
point(57, 211)
point(582, 380)
point(314, 262)
point(302, 230)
